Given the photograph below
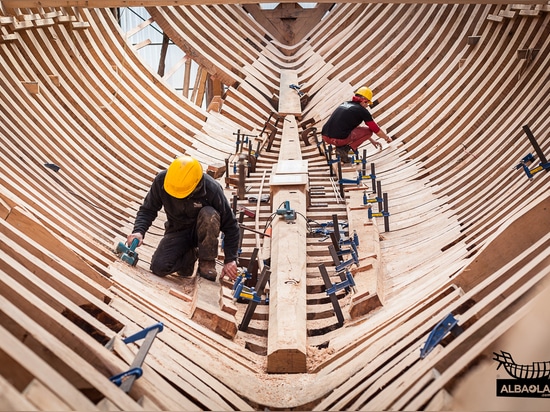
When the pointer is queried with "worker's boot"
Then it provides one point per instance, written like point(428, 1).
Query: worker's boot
point(207, 270)
point(343, 153)
point(208, 232)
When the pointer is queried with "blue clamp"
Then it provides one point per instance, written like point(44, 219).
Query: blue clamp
point(352, 181)
point(354, 257)
point(240, 290)
point(372, 214)
point(297, 88)
point(446, 325)
point(118, 379)
point(366, 200)
point(345, 284)
point(143, 333)
point(526, 161)
point(324, 228)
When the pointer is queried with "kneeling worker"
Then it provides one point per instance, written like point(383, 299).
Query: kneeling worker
point(343, 128)
point(197, 210)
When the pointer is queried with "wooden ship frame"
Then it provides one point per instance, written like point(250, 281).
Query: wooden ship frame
point(379, 284)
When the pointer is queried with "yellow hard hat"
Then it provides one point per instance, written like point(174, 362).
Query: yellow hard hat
point(182, 177)
point(365, 92)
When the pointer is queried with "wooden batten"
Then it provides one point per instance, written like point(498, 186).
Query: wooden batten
point(368, 275)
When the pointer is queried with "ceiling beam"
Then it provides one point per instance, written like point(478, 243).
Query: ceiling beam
point(15, 4)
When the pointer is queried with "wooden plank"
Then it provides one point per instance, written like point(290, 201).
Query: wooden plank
point(53, 380)
point(11, 399)
point(289, 99)
point(286, 350)
point(44, 398)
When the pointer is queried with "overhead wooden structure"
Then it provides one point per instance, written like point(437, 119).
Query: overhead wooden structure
point(139, 3)
point(85, 127)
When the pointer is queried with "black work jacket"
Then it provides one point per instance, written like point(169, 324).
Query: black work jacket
point(182, 213)
point(344, 119)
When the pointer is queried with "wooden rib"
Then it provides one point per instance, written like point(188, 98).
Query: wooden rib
point(453, 191)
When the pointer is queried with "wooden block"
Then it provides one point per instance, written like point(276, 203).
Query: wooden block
point(507, 14)
point(5, 209)
point(6, 20)
point(64, 19)
point(207, 309)
point(80, 25)
point(32, 87)
point(215, 104)
point(363, 305)
point(44, 22)
point(180, 295)
point(216, 170)
point(531, 13)
point(21, 25)
point(520, 6)
point(10, 37)
point(494, 17)
point(528, 54)
point(473, 40)
point(55, 79)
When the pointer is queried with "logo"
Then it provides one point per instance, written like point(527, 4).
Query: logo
point(530, 381)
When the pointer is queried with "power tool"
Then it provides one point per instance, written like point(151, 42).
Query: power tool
point(128, 254)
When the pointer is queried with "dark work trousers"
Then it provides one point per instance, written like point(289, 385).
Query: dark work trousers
point(178, 252)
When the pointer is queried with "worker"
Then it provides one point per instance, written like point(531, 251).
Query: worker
point(197, 210)
point(343, 129)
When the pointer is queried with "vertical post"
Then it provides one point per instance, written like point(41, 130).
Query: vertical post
point(238, 140)
point(336, 231)
point(340, 179)
point(386, 215)
point(227, 173)
point(373, 177)
point(378, 193)
point(535, 144)
point(241, 188)
point(235, 205)
point(332, 296)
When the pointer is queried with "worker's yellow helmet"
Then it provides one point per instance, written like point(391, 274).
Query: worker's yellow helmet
point(365, 92)
point(182, 177)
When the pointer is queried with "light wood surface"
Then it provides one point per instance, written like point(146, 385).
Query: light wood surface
point(469, 231)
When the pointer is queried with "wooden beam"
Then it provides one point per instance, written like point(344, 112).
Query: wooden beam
point(289, 99)
point(287, 338)
point(14, 4)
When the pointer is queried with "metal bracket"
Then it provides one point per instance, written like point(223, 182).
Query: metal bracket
point(125, 380)
point(446, 325)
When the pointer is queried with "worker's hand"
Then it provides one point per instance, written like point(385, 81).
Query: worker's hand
point(376, 144)
point(133, 236)
point(230, 270)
